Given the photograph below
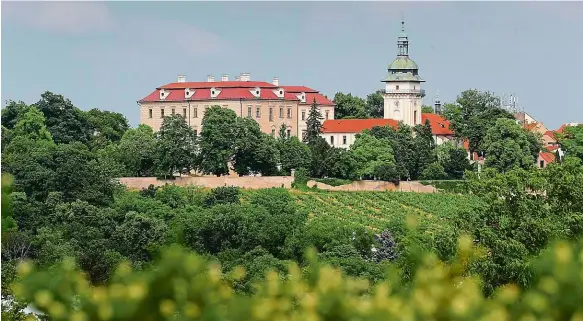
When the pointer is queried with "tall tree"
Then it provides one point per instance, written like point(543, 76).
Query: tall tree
point(571, 140)
point(371, 152)
point(375, 104)
point(402, 142)
point(107, 126)
point(294, 154)
point(176, 146)
point(348, 106)
point(137, 151)
point(507, 147)
point(313, 124)
point(473, 114)
point(32, 125)
point(66, 122)
point(12, 112)
point(216, 140)
point(424, 150)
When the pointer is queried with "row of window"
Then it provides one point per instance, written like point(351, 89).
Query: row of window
point(288, 132)
point(249, 112)
point(258, 112)
point(332, 140)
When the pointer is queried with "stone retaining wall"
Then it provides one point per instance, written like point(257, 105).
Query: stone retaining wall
point(252, 182)
point(376, 186)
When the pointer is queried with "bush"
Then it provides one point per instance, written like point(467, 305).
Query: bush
point(223, 195)
point(301, 178)
point(433, 171)
point(150, 191)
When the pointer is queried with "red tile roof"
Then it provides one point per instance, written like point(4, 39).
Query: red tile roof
point(547, 157)
point(231, 90)
point(299, 89)
point(355, 125)
point(320, 99)
point(551, 134)
point(552, 148)
point(439, 125)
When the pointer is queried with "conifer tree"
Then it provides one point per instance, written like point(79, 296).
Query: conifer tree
point(314, 124)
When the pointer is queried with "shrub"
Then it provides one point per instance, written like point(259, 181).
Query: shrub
point(222, 195)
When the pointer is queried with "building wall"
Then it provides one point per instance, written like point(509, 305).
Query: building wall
point(407, 96)
point(195, 112)
point(338, 139)
point(304, 111)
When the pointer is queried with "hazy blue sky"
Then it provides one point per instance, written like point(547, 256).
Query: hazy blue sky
point(109, 55)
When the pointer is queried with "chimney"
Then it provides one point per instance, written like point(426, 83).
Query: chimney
point(275, 81)
point(245, 76)
point(225, 77)
point(210, 78)
point(181, 78)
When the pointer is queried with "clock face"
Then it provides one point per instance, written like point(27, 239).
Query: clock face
point(397, 103)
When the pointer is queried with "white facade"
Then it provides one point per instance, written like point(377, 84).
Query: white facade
point(340, 140)
point(403, 101)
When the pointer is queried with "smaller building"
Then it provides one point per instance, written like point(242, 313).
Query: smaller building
point(544, 159)
point(342, 132)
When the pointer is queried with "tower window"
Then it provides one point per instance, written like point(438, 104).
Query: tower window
point(327, 112)
point(195, 113)
point(415, 117)
point(397, 87)
point(150, 113)
point(162, 113)
point(270, 113)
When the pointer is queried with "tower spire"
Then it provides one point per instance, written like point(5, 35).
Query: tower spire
point(403, 41)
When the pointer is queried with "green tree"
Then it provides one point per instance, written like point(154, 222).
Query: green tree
point(254, 151)
point(12, 112)
point(423, 150)
point(294, 154)
point(375, 104)
point(571, 140)
point(507, 146)
point(313, 124)
point(403, 146)
point(434, 171)
point(473, 114)
point(217, 140)
point(66, 122)
point(427, 109)
point(348, 106)
point(340, 163)
point(137, 151)
point(282, 132)
point(107, 127)
point(176, 146)
point(318, 150)
point(32, 125)
point(371, 152)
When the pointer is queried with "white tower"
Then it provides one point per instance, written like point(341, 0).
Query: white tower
point(403, 93)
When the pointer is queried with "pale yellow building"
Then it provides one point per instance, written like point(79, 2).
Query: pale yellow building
point(270, 104)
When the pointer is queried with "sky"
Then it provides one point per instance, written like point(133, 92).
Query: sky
point(108, 55)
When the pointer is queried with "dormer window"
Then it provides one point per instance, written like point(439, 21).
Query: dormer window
point(164, 94)
point(188, 93)
point(281, 92)
point(215, 92)
point(256, 92)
